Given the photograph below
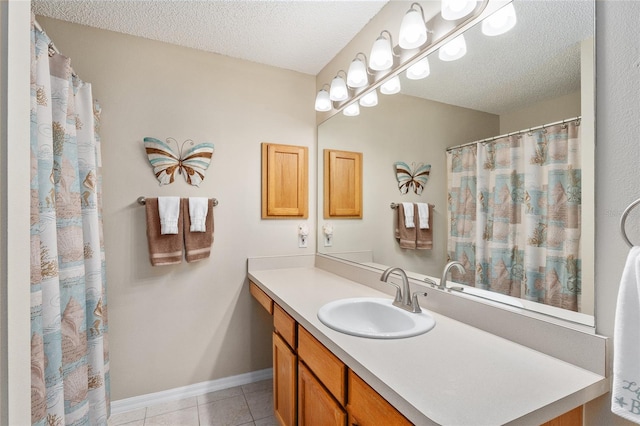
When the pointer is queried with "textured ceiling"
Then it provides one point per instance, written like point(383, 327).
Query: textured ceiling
point(297, 35)
point(538, 59)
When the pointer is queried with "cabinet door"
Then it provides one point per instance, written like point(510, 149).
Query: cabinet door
point(366, 407)
point(284, 181)
point(284, 382)
point(316, 406)
point(342, 184)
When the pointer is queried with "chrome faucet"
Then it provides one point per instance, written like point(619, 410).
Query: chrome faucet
point(403, 295)
point(445, 272)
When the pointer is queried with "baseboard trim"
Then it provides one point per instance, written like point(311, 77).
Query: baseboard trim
point(136, 402)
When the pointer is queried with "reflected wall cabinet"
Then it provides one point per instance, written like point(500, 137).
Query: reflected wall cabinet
point(342, 184)
point(284, 181)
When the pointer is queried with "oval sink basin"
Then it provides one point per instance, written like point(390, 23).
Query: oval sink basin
point(373, 317)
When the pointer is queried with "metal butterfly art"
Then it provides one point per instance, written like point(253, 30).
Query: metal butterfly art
point(193, 162)
point(408, 178)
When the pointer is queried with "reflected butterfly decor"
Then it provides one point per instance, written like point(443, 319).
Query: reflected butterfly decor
point(192, 163)
point(412, 178)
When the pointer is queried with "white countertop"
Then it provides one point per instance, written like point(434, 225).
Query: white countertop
point(453, 375)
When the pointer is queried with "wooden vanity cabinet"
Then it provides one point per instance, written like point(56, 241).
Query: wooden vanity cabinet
point(285, 367)
point(366, 407)
point(316, 406)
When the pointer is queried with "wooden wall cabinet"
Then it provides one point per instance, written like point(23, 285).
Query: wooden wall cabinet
point(342, 184)
point(285, 182)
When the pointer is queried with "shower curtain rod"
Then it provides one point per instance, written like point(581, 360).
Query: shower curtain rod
point(39, 28)
point(569, 120)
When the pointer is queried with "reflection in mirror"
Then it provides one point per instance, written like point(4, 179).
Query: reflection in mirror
point(540, 72)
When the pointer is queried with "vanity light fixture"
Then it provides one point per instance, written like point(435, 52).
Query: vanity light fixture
point(455, 49)
point(500, 22)
point(370, 99)
point(381, 57)
point(452, 10)
point(357, 74)
point(338, 90)
point(413, 30)
point(352, 110)
point(391, 86)
point(323, 102)
point(419, 70)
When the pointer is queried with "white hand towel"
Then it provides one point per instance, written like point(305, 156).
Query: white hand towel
point(169, 211)
point(408, 215)
point(625, 395)
point(198, 209)
point(423, 215)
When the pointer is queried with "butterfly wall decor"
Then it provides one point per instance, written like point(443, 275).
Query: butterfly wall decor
point(193, 162)
point(408, 178)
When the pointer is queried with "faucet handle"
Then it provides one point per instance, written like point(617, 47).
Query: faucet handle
point(415, 306)
point(398, 298)
point(429, 281)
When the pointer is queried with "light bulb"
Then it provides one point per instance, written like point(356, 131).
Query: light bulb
point(455, 49)
point(338, 90)
point(413, 31)
point(500, 22)
point(323, 103)
point(370, 99)
point(419, 70)
point(391, 87)
point(452, 10)
point(357, 75)
point(352, 110)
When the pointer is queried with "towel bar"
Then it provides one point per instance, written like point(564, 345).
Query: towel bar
point(142, 201)
point(395, 205)
point(623, 219)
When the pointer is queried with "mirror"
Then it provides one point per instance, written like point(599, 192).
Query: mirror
point(540, 72)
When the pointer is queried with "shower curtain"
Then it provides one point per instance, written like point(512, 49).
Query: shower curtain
point(514, 214)
point(69, 351)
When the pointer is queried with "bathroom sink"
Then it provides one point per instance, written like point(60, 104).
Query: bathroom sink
point(374, 317)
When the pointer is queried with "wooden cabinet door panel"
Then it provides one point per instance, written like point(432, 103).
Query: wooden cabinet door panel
point(284, 181)
point(342, 184)
point(285, 365)
point(316, 406)
point(367, 408)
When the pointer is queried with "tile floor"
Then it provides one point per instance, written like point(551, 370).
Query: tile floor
point(250, 405)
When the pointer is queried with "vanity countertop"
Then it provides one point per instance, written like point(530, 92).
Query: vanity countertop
point(453, 375)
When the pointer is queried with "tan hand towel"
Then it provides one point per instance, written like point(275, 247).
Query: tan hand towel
point(197, 244)
point(424, 237)
point(405, 236)
point(163, 249)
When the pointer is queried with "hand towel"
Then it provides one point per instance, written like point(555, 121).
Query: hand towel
point(408, 215)
point(424, 236)
point(198, 209)
point(163, 249)
point(169, 210)
point(423, 215)
point(198, 244)
point(406, 236)
point(625, 394)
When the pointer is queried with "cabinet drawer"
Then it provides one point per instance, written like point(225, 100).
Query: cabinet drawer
point(284, 325)
point(366, 407)
point(261, 297)
point(325, 365)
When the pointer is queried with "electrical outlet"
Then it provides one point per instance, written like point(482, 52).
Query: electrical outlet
point(328, 240)
point(302, 241)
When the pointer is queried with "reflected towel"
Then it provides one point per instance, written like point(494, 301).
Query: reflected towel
point(625, 394)
point(424, 236)
point(169, 211)
point(423, 215)
point(406, 236)
point(198, 209)
point(163, 249)
point(198, 244)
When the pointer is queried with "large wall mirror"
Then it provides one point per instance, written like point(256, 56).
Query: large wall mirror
point(540, 72)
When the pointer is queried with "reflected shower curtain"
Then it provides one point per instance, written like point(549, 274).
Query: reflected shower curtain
point(514, 214)
point(69, 351)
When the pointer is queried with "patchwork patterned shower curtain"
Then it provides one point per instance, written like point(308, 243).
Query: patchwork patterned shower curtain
point(514, 215)
point(69, 351)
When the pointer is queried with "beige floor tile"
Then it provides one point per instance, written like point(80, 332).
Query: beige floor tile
point(267, 421)
point(168, 407)
point(185, 417)
point(260, 404)
point(218, 395)
point(225, 412)
point(261, 386)
point(127, 417)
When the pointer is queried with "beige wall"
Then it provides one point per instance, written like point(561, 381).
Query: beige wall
point(178, 325)
point(544, 112)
